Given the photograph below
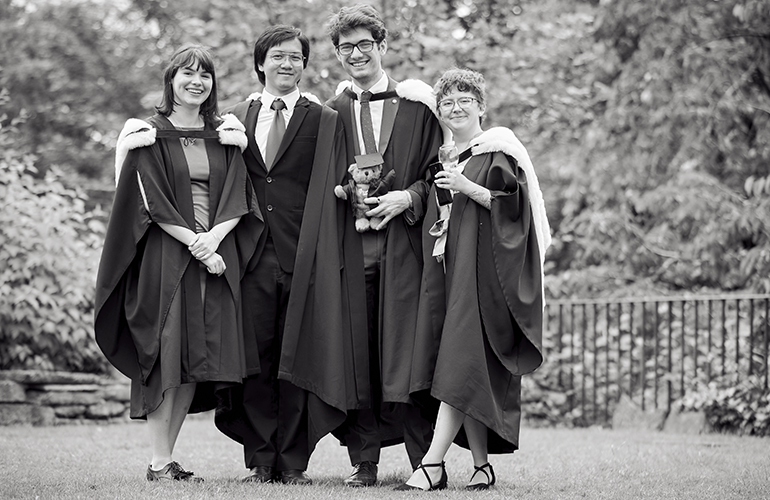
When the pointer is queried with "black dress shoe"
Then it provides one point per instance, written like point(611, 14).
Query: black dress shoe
point(294, 476)
point(364, 474)
point(260, 474)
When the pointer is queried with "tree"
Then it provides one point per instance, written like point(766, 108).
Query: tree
point(658, 198)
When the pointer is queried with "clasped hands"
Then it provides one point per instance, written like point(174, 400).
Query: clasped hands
point(204, 248)
point(388, 206)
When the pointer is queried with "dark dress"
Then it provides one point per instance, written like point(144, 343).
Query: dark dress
point(150, 319)
point(480, 324)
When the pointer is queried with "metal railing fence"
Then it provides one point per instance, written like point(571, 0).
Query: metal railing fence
point(652, 348)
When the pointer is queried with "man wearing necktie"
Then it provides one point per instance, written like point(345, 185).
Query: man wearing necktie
point(385, 265)
point(295, 155)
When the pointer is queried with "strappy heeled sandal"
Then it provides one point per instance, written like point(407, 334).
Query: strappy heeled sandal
point(490, 478)
point(442, 483)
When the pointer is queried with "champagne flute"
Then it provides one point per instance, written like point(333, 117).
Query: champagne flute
point(448, 156)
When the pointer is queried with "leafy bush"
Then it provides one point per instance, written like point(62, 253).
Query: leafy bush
point(49, 246)
point(744, 408)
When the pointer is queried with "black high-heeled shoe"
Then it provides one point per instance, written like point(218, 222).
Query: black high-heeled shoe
point(490, 478)
point(441, 485)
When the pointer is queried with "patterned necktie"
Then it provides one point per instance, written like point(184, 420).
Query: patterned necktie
point(367, 129)
point(275, 136)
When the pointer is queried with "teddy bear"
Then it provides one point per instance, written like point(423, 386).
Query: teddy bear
point(366, 181)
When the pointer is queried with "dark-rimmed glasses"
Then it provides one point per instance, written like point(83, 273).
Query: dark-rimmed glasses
point(345, 49)
point(463, 102)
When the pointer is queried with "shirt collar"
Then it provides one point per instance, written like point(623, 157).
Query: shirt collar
point(289, 99)
point(380, 85)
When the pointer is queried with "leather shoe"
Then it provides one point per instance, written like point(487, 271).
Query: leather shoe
point(172, 472)
point(364, 474)
point(260, 474)
point(294, 476)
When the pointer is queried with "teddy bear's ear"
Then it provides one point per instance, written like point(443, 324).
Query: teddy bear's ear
point(352, 167)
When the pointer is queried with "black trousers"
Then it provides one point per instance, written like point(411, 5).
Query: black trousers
point(363, 429)
point(276, 411)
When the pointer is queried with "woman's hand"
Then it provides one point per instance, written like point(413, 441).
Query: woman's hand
point(215, 264)
point(456, 181)
point(204, 245)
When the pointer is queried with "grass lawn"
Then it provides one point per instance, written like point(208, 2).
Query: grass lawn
point(108, 461)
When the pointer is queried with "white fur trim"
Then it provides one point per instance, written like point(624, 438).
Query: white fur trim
point(344, 84)
point(418, 91)
point(412, 90)
point(311, 97)
point(307, 95)
point(504, 140)
point(135, 134)
point(232, 132)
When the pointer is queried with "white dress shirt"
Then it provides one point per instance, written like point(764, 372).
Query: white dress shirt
point(265, 117)
point(376, 108)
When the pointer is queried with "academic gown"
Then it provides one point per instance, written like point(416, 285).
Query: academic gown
point(149, 319)
point(407, 146)
point(480, 323)
point(409, 140)
point(318, 353)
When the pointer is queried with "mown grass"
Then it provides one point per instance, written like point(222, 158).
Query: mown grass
point(108, 461)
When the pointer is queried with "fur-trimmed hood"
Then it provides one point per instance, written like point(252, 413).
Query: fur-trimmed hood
point(412, 90)
point(138, 133)
point(503, 139)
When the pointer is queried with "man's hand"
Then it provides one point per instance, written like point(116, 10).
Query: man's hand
point(215, 264)
point(388, 206)
point(204, 245)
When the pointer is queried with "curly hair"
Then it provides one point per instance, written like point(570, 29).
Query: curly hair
point(463, 80)
point(354, 17)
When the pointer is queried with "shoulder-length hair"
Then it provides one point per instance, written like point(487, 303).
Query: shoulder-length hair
point(276, 35)
point(190, 56)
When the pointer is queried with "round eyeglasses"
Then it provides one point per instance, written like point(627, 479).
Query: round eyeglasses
point(280, 57)
point(345, 49)
point(463, 102)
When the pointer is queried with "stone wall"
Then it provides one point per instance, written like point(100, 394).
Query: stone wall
point(31, 397)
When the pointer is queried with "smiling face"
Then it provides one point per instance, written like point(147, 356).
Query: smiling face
point(461, 119)
point(191, 86)
point(365, 68)
point(282, 77)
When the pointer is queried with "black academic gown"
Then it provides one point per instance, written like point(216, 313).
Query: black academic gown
point(149, 319)
point(480, 324)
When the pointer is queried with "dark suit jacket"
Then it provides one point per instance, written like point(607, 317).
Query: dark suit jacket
point(282, 191)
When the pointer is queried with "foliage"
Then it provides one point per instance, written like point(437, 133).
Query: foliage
point(49, 246)
point(73, 71)
point(657, 197)
point(742, 408)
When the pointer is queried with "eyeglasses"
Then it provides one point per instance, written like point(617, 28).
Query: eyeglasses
point(280, 57)
point(463, 102)
point(345, 49)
